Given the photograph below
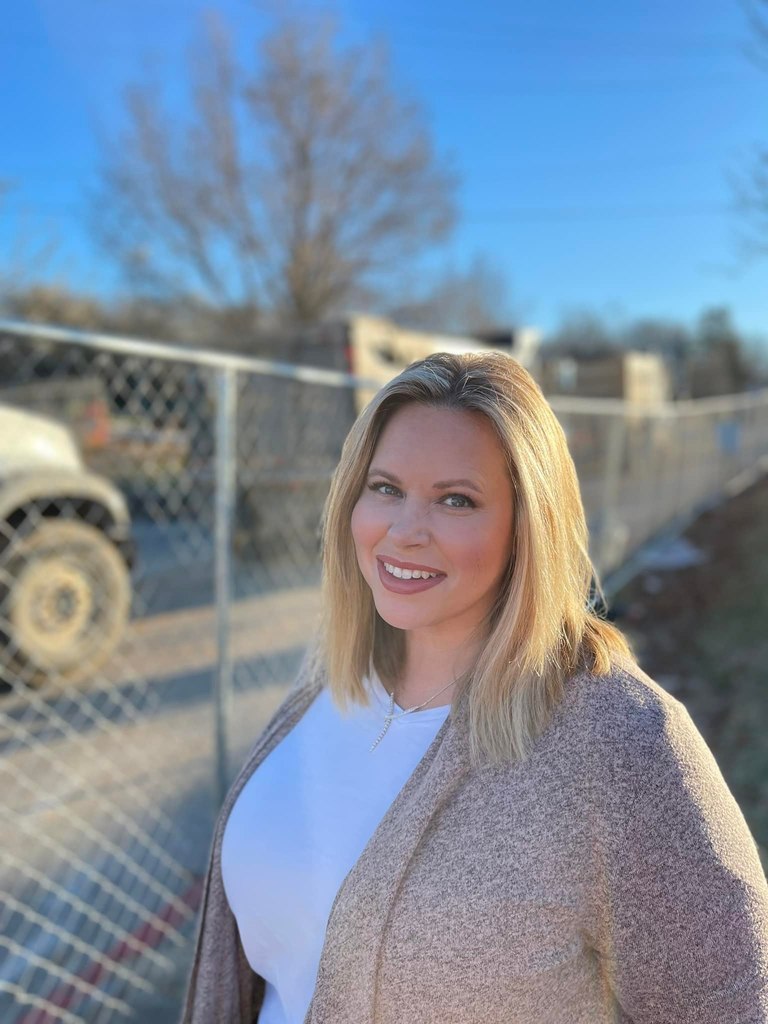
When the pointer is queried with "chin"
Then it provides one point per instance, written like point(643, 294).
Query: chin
point(399, 620)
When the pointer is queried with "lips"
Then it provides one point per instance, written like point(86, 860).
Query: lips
point(399, 586)
point(407, 565)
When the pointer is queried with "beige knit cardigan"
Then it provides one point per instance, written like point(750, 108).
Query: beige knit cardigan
point(610, 877)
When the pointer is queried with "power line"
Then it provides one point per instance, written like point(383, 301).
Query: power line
point(12, 173)
point(527, 214)
point(498, 89)
point(546, 42)
point(563, 214)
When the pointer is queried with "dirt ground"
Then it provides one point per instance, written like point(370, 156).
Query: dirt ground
point(702, 633)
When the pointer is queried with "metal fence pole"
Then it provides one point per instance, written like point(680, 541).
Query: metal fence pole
point(225, 477)
point(610, 521)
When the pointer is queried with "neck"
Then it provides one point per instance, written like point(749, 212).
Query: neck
point(428, 668)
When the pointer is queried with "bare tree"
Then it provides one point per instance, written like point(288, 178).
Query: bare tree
point(26, 250)
point(750, 186)
point(757, 15)
point(462, 301)
point(292, 187)
point(583, 334)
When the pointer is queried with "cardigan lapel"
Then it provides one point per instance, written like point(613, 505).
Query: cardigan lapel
point(345, 990)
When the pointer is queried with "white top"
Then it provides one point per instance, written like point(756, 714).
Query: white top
point(282, 868)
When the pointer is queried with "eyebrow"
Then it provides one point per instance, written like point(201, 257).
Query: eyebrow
point(439, 485)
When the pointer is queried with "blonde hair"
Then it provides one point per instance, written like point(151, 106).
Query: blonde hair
point(542, 627)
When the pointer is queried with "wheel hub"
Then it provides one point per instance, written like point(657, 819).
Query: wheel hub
point(55, 601)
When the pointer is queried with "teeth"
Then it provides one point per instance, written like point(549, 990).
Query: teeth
point(409, 574)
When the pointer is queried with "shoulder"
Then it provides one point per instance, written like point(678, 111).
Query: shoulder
point(625, 728)
point(625, 703)
point(648, 767)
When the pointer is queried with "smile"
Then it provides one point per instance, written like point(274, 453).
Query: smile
point(411, 580)
point(408, 574)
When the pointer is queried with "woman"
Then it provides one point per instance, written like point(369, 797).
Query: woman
point(474, 806)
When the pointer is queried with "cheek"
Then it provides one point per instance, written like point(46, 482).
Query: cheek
point(363, 527)
point(485, 554)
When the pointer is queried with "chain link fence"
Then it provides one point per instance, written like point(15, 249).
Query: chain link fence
point(643, 471)
point(158, 584)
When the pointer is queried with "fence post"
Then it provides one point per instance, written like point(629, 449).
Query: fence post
point(610, 519)
point(226, 405)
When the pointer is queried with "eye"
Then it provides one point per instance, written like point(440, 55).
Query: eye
point(382, 487)
point(459, 501)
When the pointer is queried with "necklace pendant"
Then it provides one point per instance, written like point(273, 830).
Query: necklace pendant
point(387, 722)
point(391, 716)
point(381, 736)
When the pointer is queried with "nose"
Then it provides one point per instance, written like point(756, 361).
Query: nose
point(409, 526)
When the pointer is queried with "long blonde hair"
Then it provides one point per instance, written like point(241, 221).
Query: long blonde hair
point(542, 627)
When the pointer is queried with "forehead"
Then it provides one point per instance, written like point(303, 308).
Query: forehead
point(424, 436)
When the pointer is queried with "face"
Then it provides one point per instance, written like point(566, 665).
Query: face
point(433, 525)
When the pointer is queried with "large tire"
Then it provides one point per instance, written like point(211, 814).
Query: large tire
point(66, 597)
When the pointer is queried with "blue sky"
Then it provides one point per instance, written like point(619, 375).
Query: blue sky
point(593, 141)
